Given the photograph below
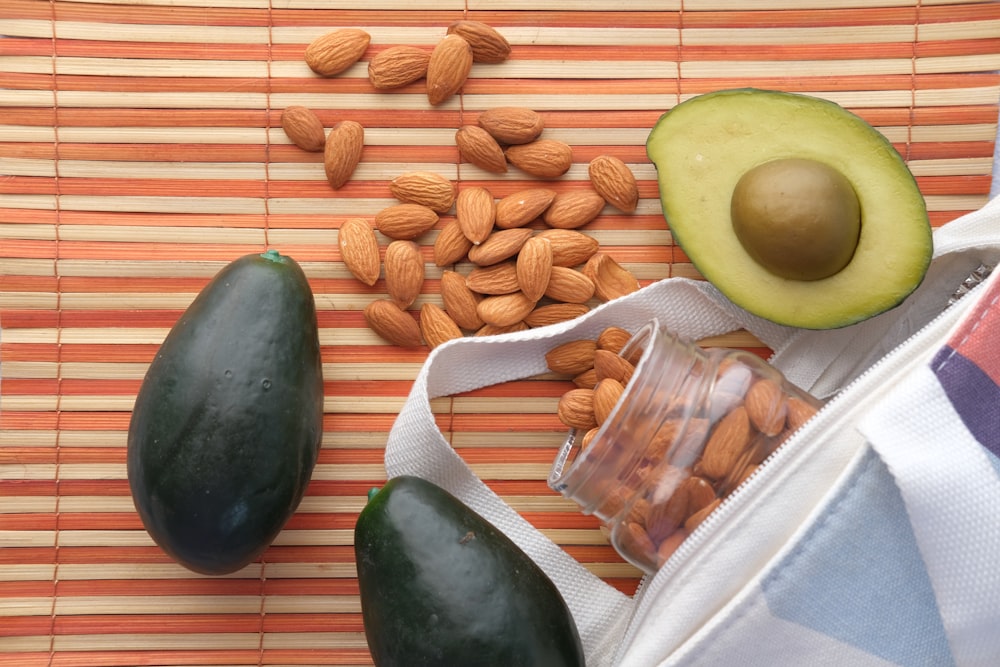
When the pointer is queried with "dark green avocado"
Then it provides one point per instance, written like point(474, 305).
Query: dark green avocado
point(795, 208)
point(227, 423)
point(442, 587)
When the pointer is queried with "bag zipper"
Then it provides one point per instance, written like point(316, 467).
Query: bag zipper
point(908, 353)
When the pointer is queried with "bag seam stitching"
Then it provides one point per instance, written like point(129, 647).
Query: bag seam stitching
point(985, 310)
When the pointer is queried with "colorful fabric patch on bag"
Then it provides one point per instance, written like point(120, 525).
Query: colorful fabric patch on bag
point(857, 577)
point(968, 368)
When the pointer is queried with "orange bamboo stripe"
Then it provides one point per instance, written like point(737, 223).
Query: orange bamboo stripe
point(482, 85)
point(224, 16)
point(402, 118)
point(158, 624)
point(801, 18)
point(180, 657)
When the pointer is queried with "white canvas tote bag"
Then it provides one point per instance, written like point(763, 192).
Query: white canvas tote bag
point(872, 537)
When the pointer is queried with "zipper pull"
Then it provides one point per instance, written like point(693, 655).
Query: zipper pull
point(979, 275)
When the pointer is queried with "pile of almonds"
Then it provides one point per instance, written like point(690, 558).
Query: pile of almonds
point(445, 68)
point(600, 374)
point(531, 265)
point(512, 135)
point(523, 274)
point(752, 423)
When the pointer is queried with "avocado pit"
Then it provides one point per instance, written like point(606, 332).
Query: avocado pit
point(798, 218)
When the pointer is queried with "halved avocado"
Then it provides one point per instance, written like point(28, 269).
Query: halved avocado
point(718, 153)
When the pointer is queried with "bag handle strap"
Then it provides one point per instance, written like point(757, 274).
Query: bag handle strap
point(416, 446)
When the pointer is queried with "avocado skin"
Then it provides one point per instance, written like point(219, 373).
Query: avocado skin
point(227, 423)
point(441, 586)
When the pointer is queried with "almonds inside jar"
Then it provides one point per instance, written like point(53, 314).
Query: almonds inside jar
point(663, 431)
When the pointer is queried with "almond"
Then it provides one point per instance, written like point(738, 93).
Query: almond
point(404, 272)
point(700, 493)
point(745, 475)
point(522, 207)
point(576, 409)
point(533, 266)
point(667, 516)
point(609, 365)
point(503, 310)
point(611, 504)
point(498, 246)
point(696, 518)
point(392, 323)
point(614, 181)
point(569, 285)
point(634, 355)
point(766, 406)
point(512, 125)
point(492, 330)
point(451, 246)
point(334, 52)
point(573, 209)
point(613, 339)
point(359, 250)
point(799, 412)
point(488, 45)
point(663, 440)
point(495, 279)
point(460, 302)
point(640, 506)
point(437, 326)
point(751, 455)
point(424, 187)
point(606, 395)
point(342, 152)
point(611, 279)
point(668, 546)
point(552, 313)
point(475, 210)
point(586, 379)
point(638, 545)
point(569, 246)
point(304, 128)
point(448, 68)
point(478, 146)
point(405, 221)
point(726, 443)
point(764, 447)
point(398, 66)
point(588, 438)
point(542, 158)
point(572, 357)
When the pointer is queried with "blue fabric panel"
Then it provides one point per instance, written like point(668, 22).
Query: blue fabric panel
point(857, 576)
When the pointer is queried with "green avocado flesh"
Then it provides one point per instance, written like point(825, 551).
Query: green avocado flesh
point(440, 586)
point(227, 423)
point(704, 147)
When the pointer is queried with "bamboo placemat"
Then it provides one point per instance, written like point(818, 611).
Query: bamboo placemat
point(141, 150)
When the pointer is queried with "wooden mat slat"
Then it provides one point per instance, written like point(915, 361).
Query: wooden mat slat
point(141, 150)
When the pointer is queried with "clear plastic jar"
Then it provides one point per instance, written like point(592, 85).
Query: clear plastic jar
point(691, 425)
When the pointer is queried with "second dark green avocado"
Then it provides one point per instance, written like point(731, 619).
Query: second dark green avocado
point(442, 587)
